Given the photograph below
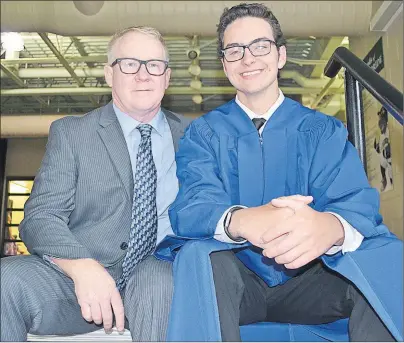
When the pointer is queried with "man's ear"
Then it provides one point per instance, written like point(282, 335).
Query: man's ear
point(282, 57)
point(167, 76)
point(108, 74)
point(224, 66)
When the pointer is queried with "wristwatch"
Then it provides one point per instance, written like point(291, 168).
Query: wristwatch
point(227, 221)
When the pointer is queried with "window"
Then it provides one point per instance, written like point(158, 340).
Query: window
point(17, 193)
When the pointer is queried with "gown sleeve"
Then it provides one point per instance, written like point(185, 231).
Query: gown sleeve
point(337, 179)
point(202, 199)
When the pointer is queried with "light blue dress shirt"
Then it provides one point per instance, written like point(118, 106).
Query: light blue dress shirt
point(164, 159)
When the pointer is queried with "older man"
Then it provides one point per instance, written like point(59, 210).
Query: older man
point(99, 208)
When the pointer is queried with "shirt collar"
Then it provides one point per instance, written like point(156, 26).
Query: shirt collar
point(266, 115)
point(128, 124)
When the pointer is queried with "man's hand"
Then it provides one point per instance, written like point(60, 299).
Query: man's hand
point(302, 237)
point(252, 223)
point(96, 292)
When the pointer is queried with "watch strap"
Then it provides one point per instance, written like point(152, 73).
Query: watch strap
point(227, 221)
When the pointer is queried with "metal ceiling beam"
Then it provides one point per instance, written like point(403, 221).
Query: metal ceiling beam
point(169, 91)
point(97, 59)
point(322, 94)
point(20, 83)
point(304, 62)
point(385, 15)
point(332, 44)
point(93, 58)
point(64, 105)
point(34, 73)
point(54, 72)
point(208, 43)
point(60, 58)
point(14, 77)
point(52, 60)
point(105, 39)
point(81, 50)
point(63, 61)
point(103, 59)
point(307, 82)
point(34, 125)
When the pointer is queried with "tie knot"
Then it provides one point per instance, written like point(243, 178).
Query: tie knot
point(145, 130)
point(258, 122)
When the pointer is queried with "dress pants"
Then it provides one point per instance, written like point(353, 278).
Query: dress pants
point(314, 296)
point(37, 298)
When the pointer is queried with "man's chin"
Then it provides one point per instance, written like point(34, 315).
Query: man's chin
point(145, 107)
point(143, 93)
point(251, 91)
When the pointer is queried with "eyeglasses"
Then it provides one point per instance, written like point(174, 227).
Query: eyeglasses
point(132, 66)
point(261, 47)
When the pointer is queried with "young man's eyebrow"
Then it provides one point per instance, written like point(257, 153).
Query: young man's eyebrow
point(253, 41)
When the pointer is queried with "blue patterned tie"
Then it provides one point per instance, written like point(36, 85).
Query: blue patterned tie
point(143, 231)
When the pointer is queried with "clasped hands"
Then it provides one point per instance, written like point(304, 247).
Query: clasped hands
point(288, 230)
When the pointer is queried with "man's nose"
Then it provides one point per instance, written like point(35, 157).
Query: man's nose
point(142, 74)
point(248, 57)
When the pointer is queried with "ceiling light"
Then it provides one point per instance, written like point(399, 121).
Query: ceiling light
point(197, 99)
point(12, 41)
point(196, 84)
point(194, 70)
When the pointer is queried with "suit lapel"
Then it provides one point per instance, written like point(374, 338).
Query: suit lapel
point(176, 127)
point(114, 140)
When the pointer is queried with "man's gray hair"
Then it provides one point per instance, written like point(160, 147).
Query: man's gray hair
point(150, 31)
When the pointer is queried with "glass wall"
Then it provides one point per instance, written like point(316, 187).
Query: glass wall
point(17, 193)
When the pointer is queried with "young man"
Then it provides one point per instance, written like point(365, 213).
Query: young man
point(264, 169)
point(99, 208)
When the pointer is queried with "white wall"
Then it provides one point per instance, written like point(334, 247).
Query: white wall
point(24, 156)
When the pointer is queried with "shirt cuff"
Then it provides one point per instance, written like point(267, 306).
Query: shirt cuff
point(49, 260)
point(220, 234)
point(352, 241)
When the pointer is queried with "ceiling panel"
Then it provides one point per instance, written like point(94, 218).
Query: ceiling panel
point(298, 18)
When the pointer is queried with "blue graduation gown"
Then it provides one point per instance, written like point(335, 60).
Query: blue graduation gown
point(222, 162)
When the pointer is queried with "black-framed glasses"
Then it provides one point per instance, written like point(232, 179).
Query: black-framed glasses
point(132, 66)
point(257, 48)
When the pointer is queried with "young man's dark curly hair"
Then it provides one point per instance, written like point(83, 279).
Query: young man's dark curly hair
point(255, 10)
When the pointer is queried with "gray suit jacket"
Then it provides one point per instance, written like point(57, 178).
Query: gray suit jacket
point(80, 206)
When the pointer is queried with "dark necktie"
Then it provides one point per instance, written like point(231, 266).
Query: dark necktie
point(258, 122)
point(143, 231)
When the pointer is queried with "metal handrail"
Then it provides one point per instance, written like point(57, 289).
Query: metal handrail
point(389, 96)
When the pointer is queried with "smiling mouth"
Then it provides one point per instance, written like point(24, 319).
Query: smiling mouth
point(250, 73)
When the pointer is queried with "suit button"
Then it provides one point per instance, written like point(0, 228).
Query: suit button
point(124, 245)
